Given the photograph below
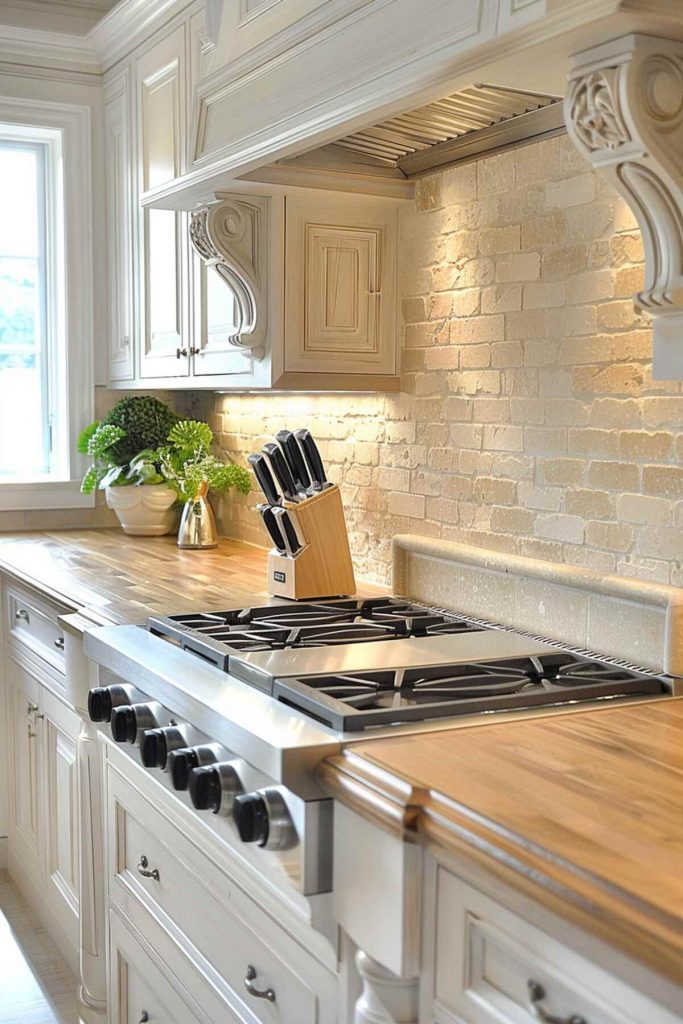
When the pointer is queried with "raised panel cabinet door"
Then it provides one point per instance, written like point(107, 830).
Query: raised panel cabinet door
point(217, 322)
point(163, 281)
point(26, 802)
point(61, 730)
point(119, 184)
point(340, 285)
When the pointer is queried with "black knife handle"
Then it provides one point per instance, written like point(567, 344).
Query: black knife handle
point(271, 524)
point(265, 478)
point(281, 469)
point(297, 464)
point(315, 463)
point(285, 521)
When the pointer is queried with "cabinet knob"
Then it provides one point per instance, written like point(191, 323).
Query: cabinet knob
point(31, 733)
point(32, 709)
point(536, 995)
point(180, 353)
point(22, 615)
point(146, 871)
point(195, 351)
point(59, 643)
point(258, 993)
point(144, 1017)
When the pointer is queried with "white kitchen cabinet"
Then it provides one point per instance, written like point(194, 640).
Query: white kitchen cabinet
point(485, 964)
point(161, 109)
point(61, 727)
point(26, 803)
point(340, 267)
point(118, 147)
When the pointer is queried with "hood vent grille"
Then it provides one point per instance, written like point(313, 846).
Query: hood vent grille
point(400, 141)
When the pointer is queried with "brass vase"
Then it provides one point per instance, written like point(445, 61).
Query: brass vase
point(197, 523)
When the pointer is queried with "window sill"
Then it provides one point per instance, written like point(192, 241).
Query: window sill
point(43, 494)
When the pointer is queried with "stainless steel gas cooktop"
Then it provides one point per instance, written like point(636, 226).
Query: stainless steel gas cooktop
point(354, 664)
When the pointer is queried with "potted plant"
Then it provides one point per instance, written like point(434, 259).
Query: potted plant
point(186, 464)
point(137, 492)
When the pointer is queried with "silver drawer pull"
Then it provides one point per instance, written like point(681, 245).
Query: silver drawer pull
point(536, 994)
point(21, 613)
point(146, 871)
point(59, 643)
point(32, 709)
point(258, 993)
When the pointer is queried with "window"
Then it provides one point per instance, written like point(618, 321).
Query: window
point(46, 318)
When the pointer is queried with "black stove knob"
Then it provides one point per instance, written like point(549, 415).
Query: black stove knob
point(214, 787)
point(180, 763)
point(128, 720)
point(156, 744)
point(251, 818)
point(205, 788)
point(124, 724)
point(102, 700)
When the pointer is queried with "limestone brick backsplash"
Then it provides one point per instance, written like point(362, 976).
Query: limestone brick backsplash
point(528, 419)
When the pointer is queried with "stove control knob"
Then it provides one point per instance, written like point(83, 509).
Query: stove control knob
point(156, 744)
point(215, 787)
point(181, 762)
point(262, 817)
point(129, 720)
point(103, 699)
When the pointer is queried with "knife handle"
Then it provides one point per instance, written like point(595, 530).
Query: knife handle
point(295, 458)
point(288, 529)
point(281, 470)
point(265, 478)
point(315, 463)
point(271, 524)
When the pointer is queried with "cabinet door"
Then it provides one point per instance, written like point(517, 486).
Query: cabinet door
point(340, 268)
point(26, 803)
point(164, 243)
point(61, 730)
point(216, 324)
point(119, 183)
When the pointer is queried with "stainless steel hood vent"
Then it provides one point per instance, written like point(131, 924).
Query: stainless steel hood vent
point(467, 123)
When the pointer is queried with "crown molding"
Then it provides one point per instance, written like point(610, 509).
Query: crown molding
point(38, 54)
point(128, 24)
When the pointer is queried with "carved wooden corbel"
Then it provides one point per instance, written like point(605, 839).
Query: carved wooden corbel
point(624, 112)
point(230, 237)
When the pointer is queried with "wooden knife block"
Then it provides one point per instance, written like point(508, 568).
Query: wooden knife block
point(323, 566)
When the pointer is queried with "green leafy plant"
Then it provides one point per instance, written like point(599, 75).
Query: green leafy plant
point(138, 424)
point(186, 462)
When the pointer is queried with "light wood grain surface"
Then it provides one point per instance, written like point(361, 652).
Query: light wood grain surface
point(124, 579)
point(583, 812)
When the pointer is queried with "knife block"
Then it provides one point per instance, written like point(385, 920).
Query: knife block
point(323, 566)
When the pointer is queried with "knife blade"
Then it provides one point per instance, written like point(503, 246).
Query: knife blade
point(295, 459)
point(288, 530)
point(271, 524)
point(313, 459)
point(278, 464)
point(265, 478)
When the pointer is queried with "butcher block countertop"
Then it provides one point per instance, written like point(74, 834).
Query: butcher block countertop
point(582, 812)
point(115, 578)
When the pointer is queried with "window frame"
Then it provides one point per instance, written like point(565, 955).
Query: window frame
point(64, 129)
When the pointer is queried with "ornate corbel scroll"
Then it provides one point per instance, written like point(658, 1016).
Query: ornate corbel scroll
point(624, 112)
point(230, 236)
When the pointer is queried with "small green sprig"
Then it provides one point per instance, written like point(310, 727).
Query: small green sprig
point(186, 462)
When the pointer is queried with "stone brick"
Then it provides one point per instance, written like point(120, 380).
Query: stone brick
point(639, 508)
point(518, 267)
point(570, 192)
point(492, 491)
point(493, 241)
point(589, 504)
point(591, 441)
point(641, 445)
point(530, 411)
point(496, 175)
point(615, 412)
point(444, 357)
point(491, 410)
point(410, 505)
point(537, 163)
point(628, 281)
point(618, 315)
point(545, 441)
point(458, 184)
point(503, 438)
point(665, 480)
point(592, 286)
point(513, 520)
point(615, 475)
point(568, 529)
point(506, 353)
point(615, 536)
point(546, 499)
point(540, 296)
point(562, 471)
point(549, 230)
point(563, 263)
point(618, 379)
point(501, 298)
point(477, 330)
point(473, 357)
point(428, 192)
point(661, 542)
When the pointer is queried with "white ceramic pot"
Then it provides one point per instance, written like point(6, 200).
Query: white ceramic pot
point(144, 511)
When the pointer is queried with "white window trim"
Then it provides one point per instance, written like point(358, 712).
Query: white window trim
point(73, 122)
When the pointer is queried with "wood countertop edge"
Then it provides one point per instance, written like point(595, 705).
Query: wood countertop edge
point(418, 815)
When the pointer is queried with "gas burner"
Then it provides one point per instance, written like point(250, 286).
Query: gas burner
point(355, 701)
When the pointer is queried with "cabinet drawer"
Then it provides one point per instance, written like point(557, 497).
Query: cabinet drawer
point(32, 623)
point(227, 936)
point(139, 989)
point(491, 965)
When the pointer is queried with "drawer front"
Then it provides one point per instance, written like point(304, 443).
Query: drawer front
point(32, 623)
point(139, 990)
point(491, 966)
point(222, 930)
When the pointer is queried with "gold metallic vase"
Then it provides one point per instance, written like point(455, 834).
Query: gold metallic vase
point(197, 524)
